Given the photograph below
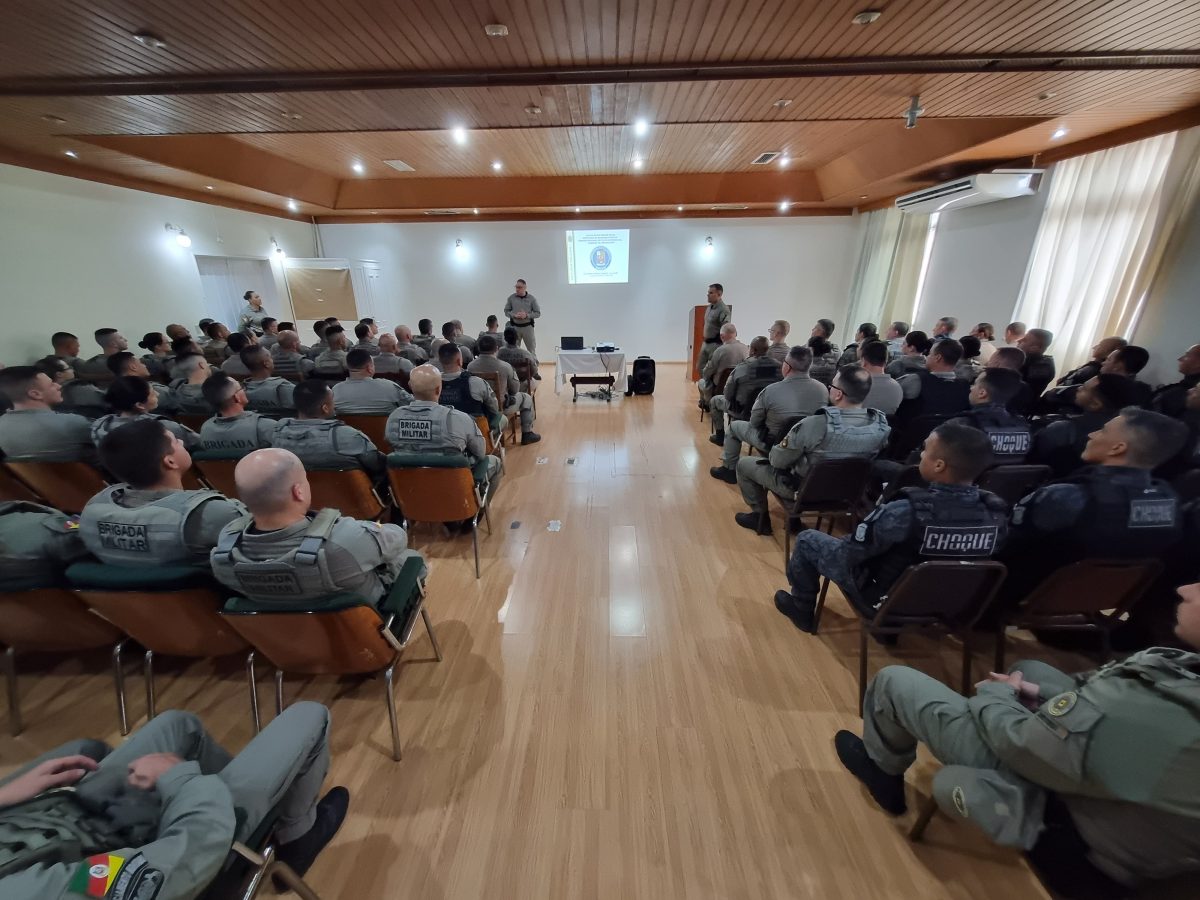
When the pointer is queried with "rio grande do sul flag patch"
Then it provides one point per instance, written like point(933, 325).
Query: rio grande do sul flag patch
point(95, 875)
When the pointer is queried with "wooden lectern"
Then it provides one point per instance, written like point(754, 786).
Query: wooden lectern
point(696, 338)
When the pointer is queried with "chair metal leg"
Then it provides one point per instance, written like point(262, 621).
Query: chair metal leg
point(475, 545)
point(119, 684)
point(253, 691)
point(863, 645)
point(294, 882)
point(279, 692)
point(388, 682)
point(928, 811)
point(998, 662)
point(262, 867)
point(148, 668)
point(437, 650)
point(15, 726)
point(820, 605)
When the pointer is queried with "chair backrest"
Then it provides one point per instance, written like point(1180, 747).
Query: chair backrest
point(1187, 485)
point(835, 483)
point(67, 486)
point(499, 387)
point(909, 436)
point(52, 620)
point(524, 370)
point(218, 473)
point(347, 490)
point(718, 385)
point(372, 426)
point(1011, 483)
point(1089, 587)
point(485, 427)
point(401, 378)
point(343, 640)
point(174, 623)
point(954, 593)
point(427, 494)
point(12, 488)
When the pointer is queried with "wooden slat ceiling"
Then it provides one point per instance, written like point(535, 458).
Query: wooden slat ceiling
point(714, 125)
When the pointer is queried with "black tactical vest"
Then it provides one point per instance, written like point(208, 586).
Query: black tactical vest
point(456, 392)
point(1009, 435)
point(940, 396)
point(749, 386)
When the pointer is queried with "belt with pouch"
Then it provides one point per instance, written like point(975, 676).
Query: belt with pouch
point(520, 324)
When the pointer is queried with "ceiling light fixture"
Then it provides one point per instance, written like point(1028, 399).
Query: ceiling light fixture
point(578, 209)
point(208, 187)
point(72, 154)
point(56, 120)
point(295, 116)
point(784, 161)
point(862, 196)
point(497, 165)
point(149, 39)
point(785, 205)
point(460, 135)
point(641, 127)
point(278, 250)
point(495, 31)
point(291, 204)
point(476, 210)
point(679, 209)
point(915, 110)
point(782, 103)
point(533, 110)
point(181, 236)
point(358, 168)
point(866, 17)
point(1059, 133)
point(460, 251)
point(1046, 95)
point(709, 249)
point(638, 162)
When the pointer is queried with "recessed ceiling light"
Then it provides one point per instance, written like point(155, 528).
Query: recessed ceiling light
point(295, 116)
point(149, 39)
point(577, 209)
point(638, 163)
point(292, 205)
point(374, 212)
point(460, 135)
point(784, 161)
point(495, 30)
point(497, 166)
point(72, 154)
point(533, 110)
point(57, 120)
point(1046, 95)
point(784, 206)
point(476, 211)
point(866, 17)
point(862, 196)
point(358, 168)
point(208, 187)
point(641, 127)
point(782, 103)
point(1059, 132)
point(679, 209)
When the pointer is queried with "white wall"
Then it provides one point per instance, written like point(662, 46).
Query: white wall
point(797, 269)
point(978, 262)
point(77, 256)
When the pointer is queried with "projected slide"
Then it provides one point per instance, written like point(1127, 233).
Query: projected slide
point(598, 257)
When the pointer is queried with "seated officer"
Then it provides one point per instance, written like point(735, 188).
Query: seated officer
point(388, 361)
point(775, 410)
point(512, 352)
point(132, 400)
point(934, 390)
point(728, 354)
point(322, 441)
point(1009, 434)
point(282, 552)
point(154, 818)
point(1038, 370)
point(466, 392)
point(126, 363)
point(1096, 775)
point(66, 348)
point(1113, 509)
point(1129, 361)
point(194, 370)
point(1060, 444)
point(181, 348)
point(949, 519)
point(32, 430)
point(362, 394)
point(289, 356)
point(216, 349)
point(843, 429)
point(266, 393)
point(406, 347)
point(424, 338)
point(364, 334)
point(149, 519)
point(514, 400)
point(1168, 399)
point(428, 426)
point(111, 341)
point(80, 397)
point(233, 428)
point(754, 372)
point(37, 544)
point(332, 360)
point(270, 336)
point(450, 333)
point(1062, 395)
point(238, 341)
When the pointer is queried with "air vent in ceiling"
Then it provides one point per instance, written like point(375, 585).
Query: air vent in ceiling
point(443, 212)
point(763, 158)
point(728, 207)
point(399, 165)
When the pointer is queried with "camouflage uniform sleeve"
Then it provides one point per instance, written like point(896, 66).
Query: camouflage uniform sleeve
point(882, 530)
point(1054, 507)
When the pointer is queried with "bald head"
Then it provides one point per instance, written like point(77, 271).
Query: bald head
point(404, 334)
point(728, 332)
point(272, 483)
point(425, 383)
point(387, 343)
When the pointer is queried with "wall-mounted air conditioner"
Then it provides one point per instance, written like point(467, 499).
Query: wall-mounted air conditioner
point(1003, 184)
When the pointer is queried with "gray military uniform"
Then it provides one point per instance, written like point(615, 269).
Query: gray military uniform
point(85, 399)
point(910, 384)
point(516, 400)
point(885, 394)
point(412, 353)
point(331, 362)
point(269, 395)
point(391, 363)
point(368, 345)
point(37, 543)
point(251, 319)
point(726, 356)
point(125, 526)
point(1120, 745)
point(779, 351)
point(242, 433)
point(774, 411)
point(289, 362)
point(830, 433)
point(42, 435)
point(268, 341)
point(424, 426)
point(525, 330)
point(102, 426)
point(467, 355)
point(719, 404)
point(715, 316)
point(189, 399)
point(513, 354)
point(235, 368)
point(368, 396)
point(329, 444)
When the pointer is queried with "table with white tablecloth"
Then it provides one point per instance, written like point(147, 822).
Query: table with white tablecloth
point(589, 362)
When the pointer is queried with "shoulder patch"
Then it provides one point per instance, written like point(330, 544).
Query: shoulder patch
point(1062, 704)
point(95, 875)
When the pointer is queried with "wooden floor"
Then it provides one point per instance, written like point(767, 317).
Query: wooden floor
point(621, 712)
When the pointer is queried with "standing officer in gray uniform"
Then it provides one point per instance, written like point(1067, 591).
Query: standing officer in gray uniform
point(777, 408)
point(1096, 775)
point(266, 393)
point(32, 430)
point(522, 308)
point(949, 519)
point(758, 369)
point(715, 316)
point(515, 400)
point(428, 426)
point(233, 428)
point(281, 552)
point(252, 316)
point(843, 429)
point(154, 819)
point(149, 519)
point(37, 544)
point(322, 441)
point(362, 394)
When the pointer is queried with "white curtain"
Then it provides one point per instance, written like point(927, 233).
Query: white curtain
point(889, 267)
point(1099, 241)
point(225, 280)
